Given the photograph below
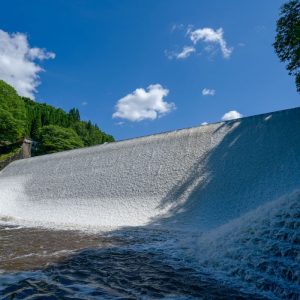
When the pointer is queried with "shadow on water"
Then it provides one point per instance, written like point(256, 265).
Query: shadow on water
point(117, 273)
point(241, 173)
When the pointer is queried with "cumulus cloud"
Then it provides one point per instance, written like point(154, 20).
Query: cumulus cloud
point(144, 104)
point(231, 115)
point(208, 92)
point(204, 123)
point(211, 37)
point(18, 65)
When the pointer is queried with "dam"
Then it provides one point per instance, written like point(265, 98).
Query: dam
point(229, 191)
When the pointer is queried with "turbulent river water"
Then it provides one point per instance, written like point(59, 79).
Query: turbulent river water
point(130, 264)
point(256, 256)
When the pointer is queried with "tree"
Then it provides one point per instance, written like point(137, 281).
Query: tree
point(21, 116)
point(11, 129)
point(13, 104)
point(36, 126)
point(55, 138)
point(74, 115)
point(287, 41)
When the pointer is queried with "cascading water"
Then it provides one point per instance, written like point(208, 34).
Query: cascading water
point(225, 190)
point(260, 250)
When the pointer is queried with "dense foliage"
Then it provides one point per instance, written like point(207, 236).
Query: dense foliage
point(55, 138)
point(52, 128)
point(287, 41)
point(10, 128)
point(12, 114)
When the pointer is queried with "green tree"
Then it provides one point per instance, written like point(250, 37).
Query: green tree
point(74, 115)
point(21, 116)
point(12, 103)
point(36, 126)
point(11, 129)
point(55, 138)
point(287, 41)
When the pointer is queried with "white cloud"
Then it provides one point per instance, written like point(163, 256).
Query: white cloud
point(208, 92)
point(144, 104)
point(204, 123)
point(177, 27)
point(18, 65)
point(169, 54)
point(84, 103)
point(120, 123)
point(211, 37)
point(186, 52)
point(231, 115)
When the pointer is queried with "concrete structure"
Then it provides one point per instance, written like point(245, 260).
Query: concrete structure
point(24, 152)
point(26, 148)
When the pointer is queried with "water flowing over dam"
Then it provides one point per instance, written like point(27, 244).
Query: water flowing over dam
point(199, 178)
point(233, 186)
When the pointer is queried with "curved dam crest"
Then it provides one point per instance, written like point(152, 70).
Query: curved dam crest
point(191, 179)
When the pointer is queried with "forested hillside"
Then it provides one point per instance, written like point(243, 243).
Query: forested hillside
point(52, 128)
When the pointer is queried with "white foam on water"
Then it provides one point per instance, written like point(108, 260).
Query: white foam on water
point(259, 251)
point(115, 185)
point(191, 179)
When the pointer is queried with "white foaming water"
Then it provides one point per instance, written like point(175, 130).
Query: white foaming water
point(195, 179)
point(259, 251)
point(220, 182)
point(121, 184)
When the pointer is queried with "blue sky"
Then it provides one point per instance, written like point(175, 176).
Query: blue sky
point(99, 52)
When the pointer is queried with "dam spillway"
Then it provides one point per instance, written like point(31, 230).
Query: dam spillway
point(197, 178)
point(221, 200)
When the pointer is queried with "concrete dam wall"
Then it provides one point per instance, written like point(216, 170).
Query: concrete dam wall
point(191, 179)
